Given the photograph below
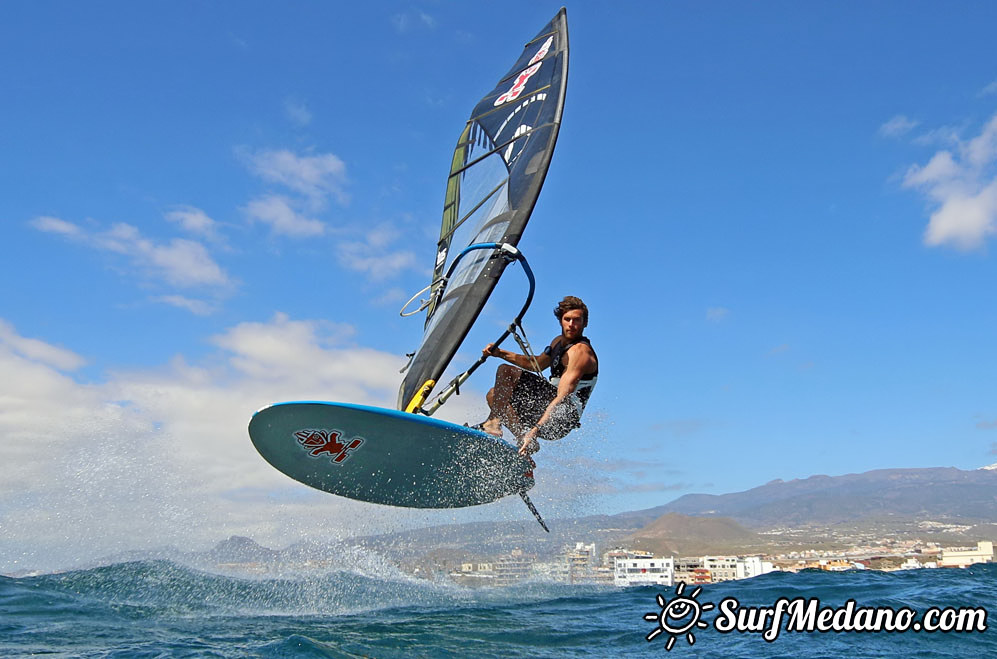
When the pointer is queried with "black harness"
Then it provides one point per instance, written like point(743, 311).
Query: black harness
point(556, 354)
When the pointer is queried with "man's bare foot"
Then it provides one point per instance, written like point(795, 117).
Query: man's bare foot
point(493, 427)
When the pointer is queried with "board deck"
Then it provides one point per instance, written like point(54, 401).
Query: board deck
point(386, 456)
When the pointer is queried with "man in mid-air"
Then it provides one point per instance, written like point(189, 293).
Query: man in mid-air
point(532, 407)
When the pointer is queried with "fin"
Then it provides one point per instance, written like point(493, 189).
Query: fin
point(533, 509)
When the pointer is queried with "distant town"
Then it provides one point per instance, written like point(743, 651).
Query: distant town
point(576, 563)
point(626, 567)
point(622, 567)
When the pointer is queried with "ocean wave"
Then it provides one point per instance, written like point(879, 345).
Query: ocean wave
point(144, 588)
point(164, 608)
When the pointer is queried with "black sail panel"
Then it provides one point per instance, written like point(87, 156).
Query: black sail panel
point(498, 168)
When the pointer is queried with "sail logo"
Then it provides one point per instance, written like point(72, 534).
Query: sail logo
point(524, 76)
point(327, 442)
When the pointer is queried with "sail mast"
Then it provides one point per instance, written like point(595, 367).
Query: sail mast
point(497, 170)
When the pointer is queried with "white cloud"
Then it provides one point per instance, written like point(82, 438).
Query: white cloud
point(313, 357)
point(427, 20)
point(717, 314)
point(279, 213)
point(981, 151)
point(962, 184)
point(989, 89)
point(378, 265)
point(898, 126)
point(390, 296)
point(315, 176)
point(195, 221)
point(405, 22)
point(374, 256)
point(196, 307)
point(38, 351)
point(55, 225)
point(38, 403)
point(153, 458)
point(298, 113)
point(964, 221)
point(941, 169)
point(944, 136)
point(179, 261)
point(183, 262)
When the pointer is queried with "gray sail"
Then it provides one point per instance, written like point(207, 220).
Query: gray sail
point(496, 174)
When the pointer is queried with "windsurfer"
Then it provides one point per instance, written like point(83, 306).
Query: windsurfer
point(533, 407)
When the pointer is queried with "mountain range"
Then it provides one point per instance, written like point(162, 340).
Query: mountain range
point(934, 493)
point(941, 504)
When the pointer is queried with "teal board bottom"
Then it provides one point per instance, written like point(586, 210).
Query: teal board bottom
point(386, 456)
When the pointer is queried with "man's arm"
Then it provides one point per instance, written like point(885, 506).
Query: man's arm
point(522, 361)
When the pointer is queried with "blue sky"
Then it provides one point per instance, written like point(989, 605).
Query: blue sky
point(780, 214)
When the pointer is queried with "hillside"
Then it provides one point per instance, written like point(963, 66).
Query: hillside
point(680, 535)
point(904, 494)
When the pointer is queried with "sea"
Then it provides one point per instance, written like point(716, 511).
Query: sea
point(166, 609)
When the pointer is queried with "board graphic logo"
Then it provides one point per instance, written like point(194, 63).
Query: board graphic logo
point(326, 442)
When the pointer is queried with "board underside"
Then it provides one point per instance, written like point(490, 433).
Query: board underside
point(385, 456)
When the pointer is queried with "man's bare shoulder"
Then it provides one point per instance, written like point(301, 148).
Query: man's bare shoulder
point(581, 347)
point(581, 352)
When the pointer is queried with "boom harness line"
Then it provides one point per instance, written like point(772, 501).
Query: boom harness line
point(510, 253)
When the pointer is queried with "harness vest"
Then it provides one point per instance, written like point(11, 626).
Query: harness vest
point(586, 384)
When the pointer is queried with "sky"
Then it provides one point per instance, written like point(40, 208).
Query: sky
point(781, 216)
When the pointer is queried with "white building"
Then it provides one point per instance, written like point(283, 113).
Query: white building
point(610, 557)
point(722, 568)
point(512, 568)
point(984, 553)
point(644, 571)
point(581, 562)
point(752, 566)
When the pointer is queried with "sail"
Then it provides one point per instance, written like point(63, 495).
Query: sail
point(496, 174)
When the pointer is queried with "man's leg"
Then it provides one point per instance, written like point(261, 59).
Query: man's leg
point(499, 397)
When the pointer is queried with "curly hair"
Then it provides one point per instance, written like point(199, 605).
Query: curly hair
point(571, 302)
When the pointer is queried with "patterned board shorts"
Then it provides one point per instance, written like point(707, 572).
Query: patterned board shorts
point(530, 398)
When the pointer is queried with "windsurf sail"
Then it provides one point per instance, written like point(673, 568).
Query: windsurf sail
point(498, 168)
